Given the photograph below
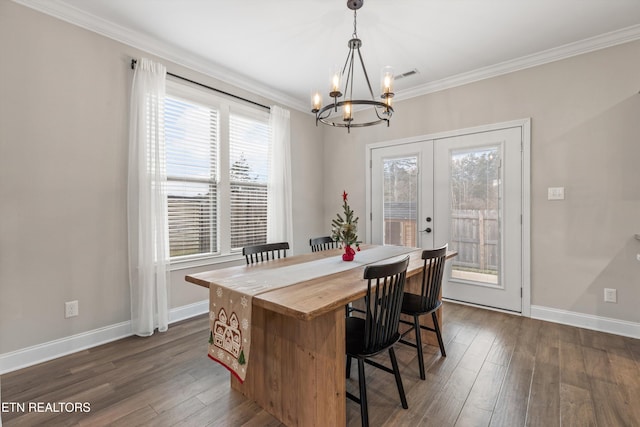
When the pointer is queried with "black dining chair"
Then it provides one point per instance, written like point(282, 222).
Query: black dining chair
point(378, 330)
point(322, 243)
point(428, 302)
point(265, 252)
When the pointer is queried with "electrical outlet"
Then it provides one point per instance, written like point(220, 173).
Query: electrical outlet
point(70, 309)
point(610, 295)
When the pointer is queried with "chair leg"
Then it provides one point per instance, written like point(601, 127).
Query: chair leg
point(416, 328)
point(396, 372)
point(348, 366)
point(364, 409)
point(438, 334)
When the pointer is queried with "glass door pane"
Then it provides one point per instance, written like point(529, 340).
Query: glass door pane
point(400, 212)
point(475, 215)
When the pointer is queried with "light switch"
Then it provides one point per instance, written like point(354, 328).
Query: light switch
point(555, 193)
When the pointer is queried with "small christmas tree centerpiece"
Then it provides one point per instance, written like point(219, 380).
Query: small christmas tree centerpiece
point(344, 230)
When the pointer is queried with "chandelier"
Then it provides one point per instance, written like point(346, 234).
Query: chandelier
point(339, 113)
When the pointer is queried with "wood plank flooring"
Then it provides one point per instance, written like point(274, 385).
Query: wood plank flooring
point(500, 370)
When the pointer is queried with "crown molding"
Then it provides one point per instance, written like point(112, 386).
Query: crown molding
point(591, 44)
point(137, 40)
point(163, 50)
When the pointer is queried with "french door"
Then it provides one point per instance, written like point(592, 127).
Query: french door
point(464, 190)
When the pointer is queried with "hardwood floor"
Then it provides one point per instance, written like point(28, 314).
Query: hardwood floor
point(500, 370)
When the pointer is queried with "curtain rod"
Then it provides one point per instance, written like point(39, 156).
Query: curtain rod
point(135, 61)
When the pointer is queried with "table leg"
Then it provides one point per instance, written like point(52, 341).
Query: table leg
point(296, 369)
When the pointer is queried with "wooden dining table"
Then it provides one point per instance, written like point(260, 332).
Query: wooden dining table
point(297, 367)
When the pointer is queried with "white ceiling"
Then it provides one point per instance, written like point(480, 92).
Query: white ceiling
point(283, 49)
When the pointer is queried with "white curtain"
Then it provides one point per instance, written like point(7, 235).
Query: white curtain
point(147, 201)
point(279, 205)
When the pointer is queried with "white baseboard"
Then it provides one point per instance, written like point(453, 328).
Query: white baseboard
point(587, 321)
point(33, 355)
point(188, 311)
point(39, 353)
point(53, 349)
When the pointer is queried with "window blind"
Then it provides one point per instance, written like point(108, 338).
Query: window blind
point(191, 136)
point(248, 174)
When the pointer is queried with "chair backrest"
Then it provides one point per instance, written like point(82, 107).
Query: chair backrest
point(322, 243)
point(383, 303)
point(432, 271)
point(259, 253)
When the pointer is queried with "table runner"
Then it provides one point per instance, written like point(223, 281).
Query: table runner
point(230, 300)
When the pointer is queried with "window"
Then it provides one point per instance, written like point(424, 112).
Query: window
point(249, 154)
point(191, 135)
point(217, 173)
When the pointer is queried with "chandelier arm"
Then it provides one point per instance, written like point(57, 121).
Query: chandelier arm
point(366, 76)
point(346, 60)
point(377, 114)
point(388, 111)
point(346, 72)
point(347, 69)
point(325, 110)
point(351, 76)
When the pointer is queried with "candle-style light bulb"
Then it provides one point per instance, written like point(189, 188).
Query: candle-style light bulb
point(335, 83)
point(346, 112)
point(387, 84)
point(386, 81)
point(316, 101)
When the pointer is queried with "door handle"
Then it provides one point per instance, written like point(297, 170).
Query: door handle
point(428, 229)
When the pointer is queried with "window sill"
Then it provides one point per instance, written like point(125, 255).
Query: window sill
point(187, 263)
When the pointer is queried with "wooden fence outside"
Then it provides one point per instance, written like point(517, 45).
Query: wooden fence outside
point(475, 235)
point(193, 223)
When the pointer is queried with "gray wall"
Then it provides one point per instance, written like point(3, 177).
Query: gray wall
point(64, 100)
point(585, 116)
point(64, 95)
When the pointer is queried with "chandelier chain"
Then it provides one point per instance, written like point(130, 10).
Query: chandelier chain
point(355, 30)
